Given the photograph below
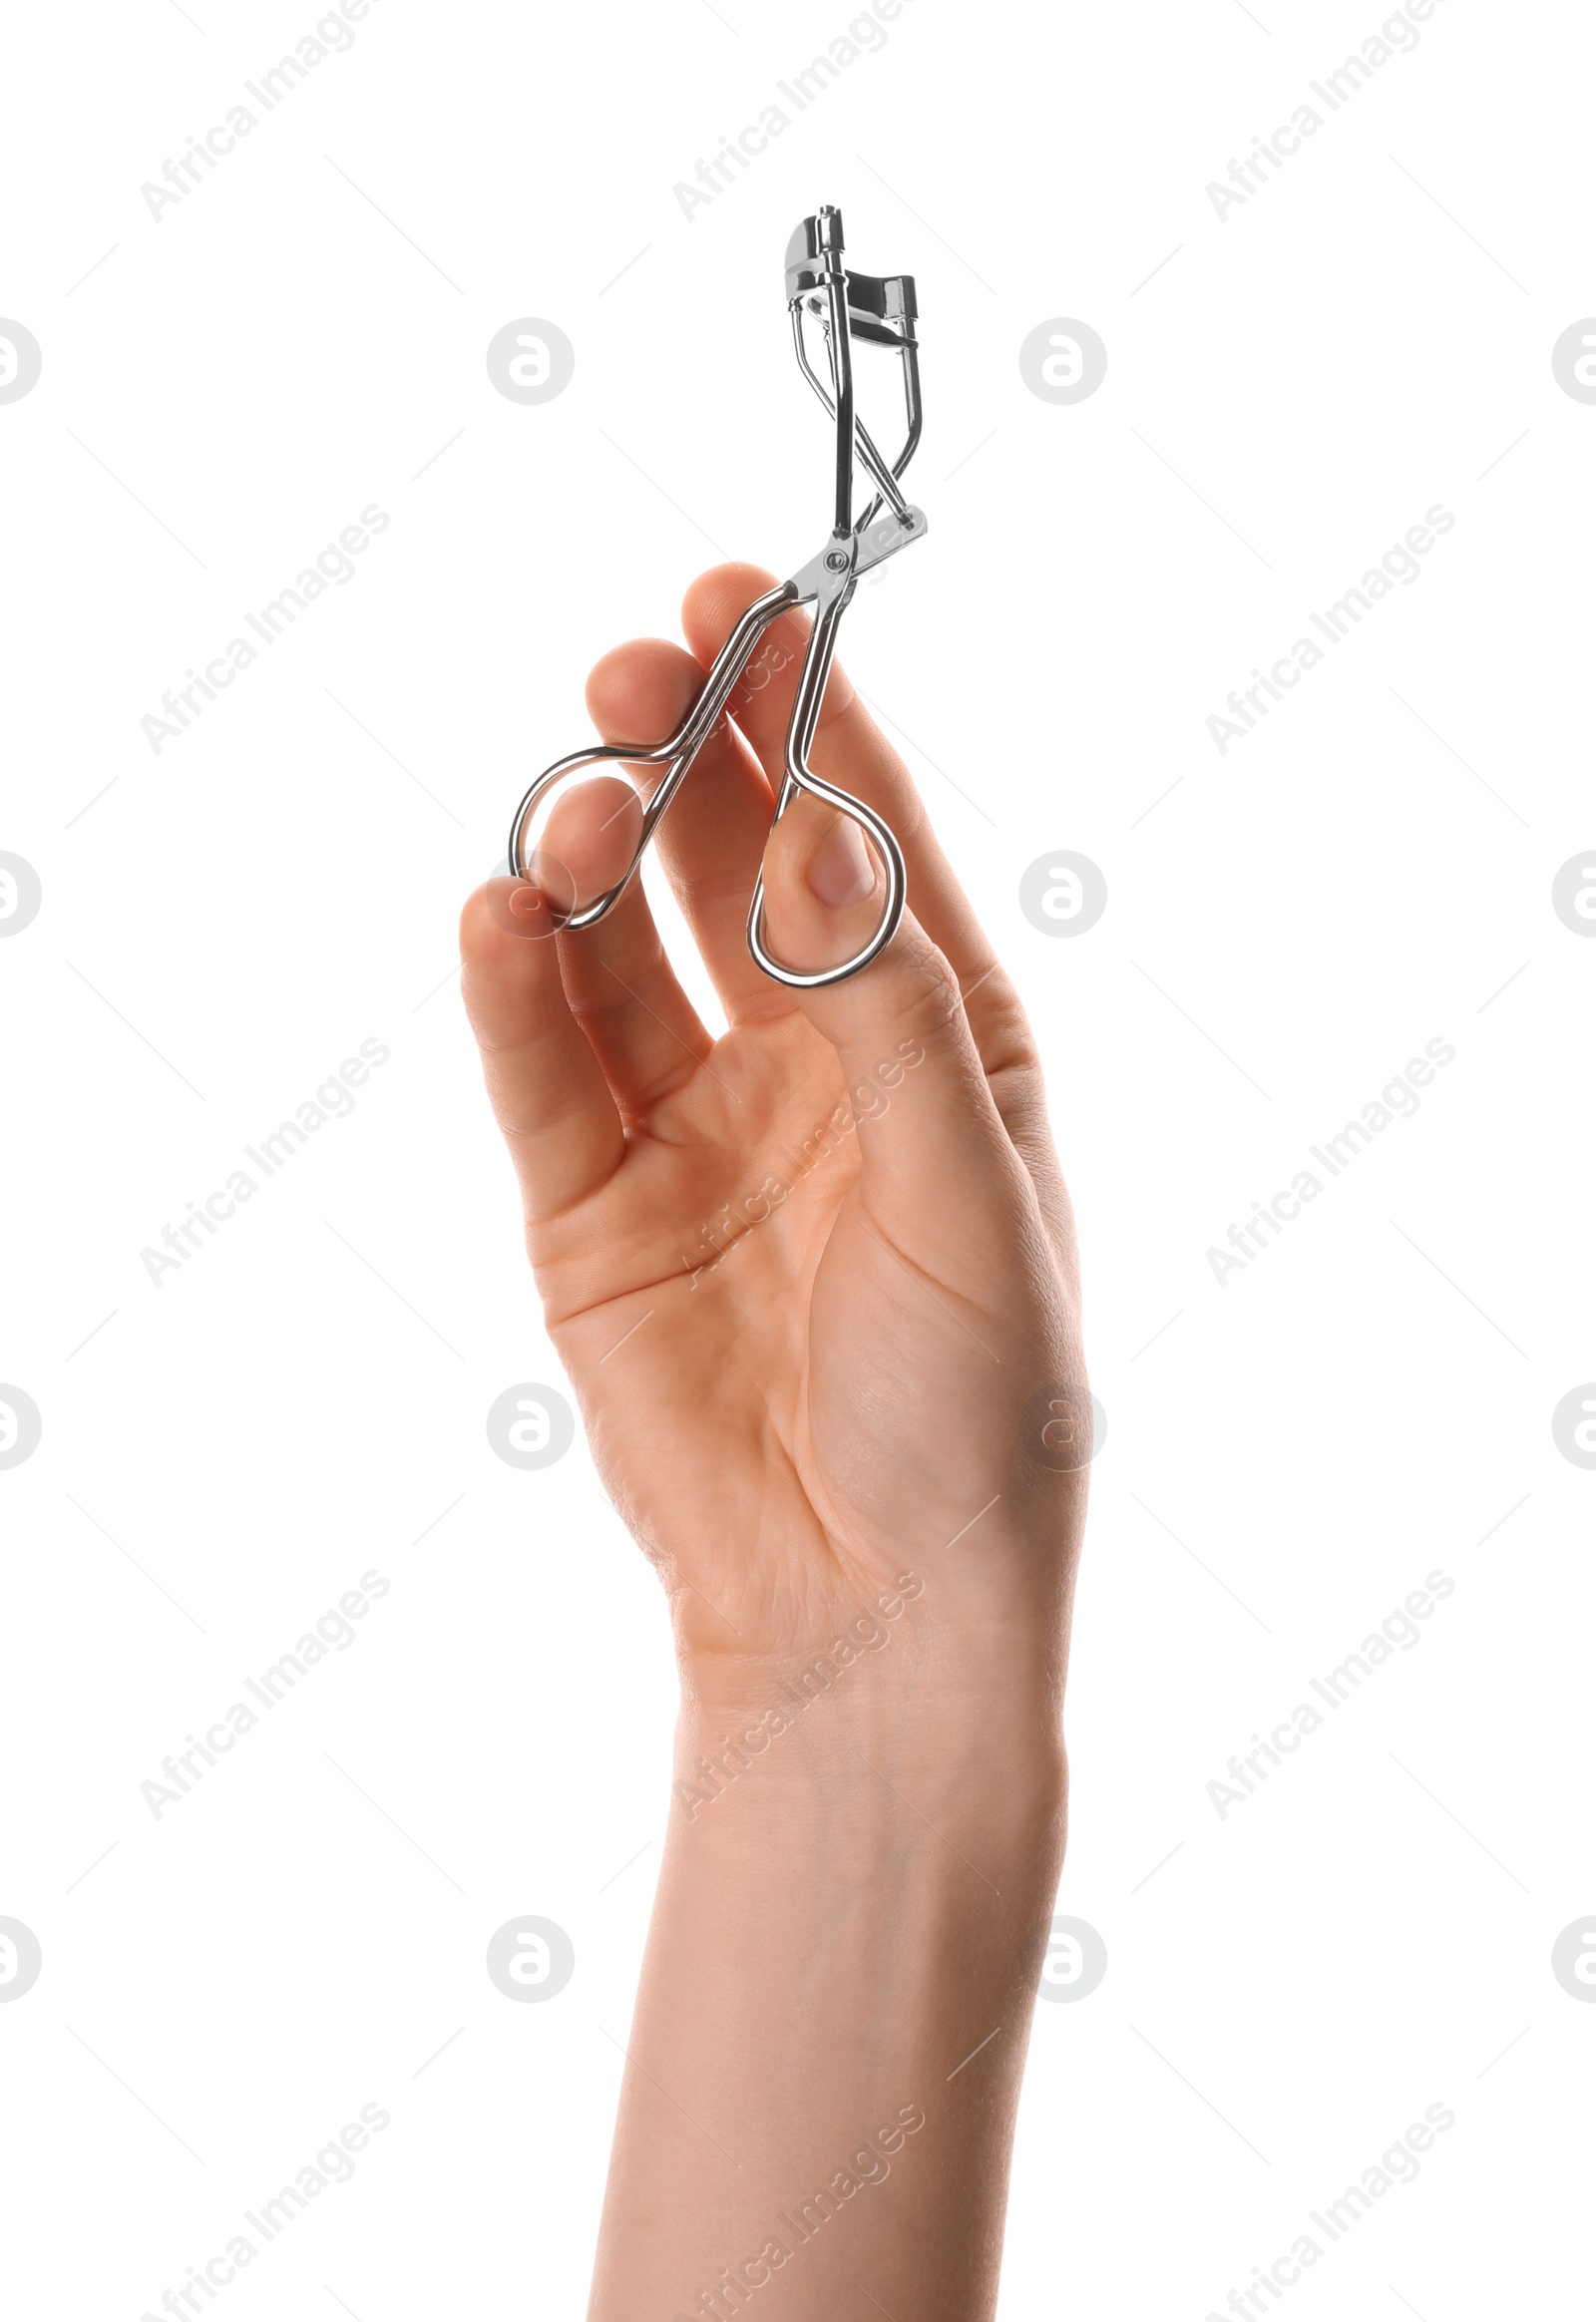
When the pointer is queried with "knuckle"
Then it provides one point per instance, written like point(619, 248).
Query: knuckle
point(1007, 1044)
point(929, 1000)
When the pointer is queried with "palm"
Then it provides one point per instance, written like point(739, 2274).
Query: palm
point(696, 1297)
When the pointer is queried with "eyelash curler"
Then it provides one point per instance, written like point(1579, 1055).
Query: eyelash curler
point(879, 311)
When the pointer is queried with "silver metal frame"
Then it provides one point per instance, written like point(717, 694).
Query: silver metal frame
point(879, 311)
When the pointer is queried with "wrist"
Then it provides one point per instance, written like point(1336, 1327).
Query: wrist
point(961, 1666)
point(799, 1753)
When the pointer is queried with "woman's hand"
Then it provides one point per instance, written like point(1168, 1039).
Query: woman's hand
point(814, 1284)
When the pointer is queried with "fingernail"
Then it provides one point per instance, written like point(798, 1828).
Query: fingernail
point(840, 870)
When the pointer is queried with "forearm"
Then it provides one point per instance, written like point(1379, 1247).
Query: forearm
point(832, 2021)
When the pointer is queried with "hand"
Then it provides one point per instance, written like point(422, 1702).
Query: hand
point(814, 1282)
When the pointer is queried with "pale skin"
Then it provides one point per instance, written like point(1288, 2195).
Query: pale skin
point(815, 1285)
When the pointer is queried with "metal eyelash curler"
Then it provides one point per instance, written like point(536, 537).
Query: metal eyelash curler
point(879, 311)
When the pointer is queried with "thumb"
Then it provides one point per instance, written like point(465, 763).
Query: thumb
point(917, 1090)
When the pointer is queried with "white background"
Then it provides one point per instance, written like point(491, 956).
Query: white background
point(1367, 336)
